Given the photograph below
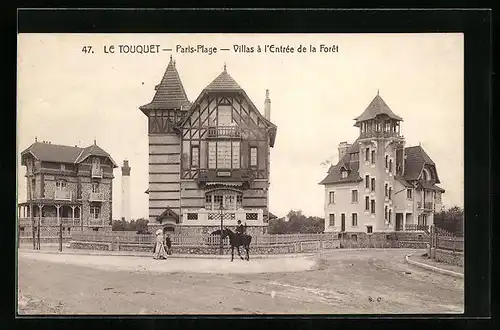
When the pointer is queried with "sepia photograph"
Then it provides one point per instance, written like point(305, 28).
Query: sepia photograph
point(240, 174)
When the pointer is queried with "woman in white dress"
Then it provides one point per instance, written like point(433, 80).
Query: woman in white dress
point(159, 247)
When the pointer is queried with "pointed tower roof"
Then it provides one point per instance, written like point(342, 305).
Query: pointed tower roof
point(376, 107)
point(223, 82)
point(170, 93)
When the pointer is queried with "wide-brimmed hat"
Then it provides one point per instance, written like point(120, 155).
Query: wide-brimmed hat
point(159, 231)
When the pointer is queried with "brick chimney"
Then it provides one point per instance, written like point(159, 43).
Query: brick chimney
point(343, 147)
point(267, 106)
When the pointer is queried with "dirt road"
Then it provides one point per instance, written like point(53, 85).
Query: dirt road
point(339, 282)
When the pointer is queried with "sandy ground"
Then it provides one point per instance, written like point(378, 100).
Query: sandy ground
point(339, 282)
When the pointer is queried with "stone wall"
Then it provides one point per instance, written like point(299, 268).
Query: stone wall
point(383, 240)
point(449, 257)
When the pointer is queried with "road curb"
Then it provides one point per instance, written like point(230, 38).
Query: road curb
point(433, 268)
point(174, 256)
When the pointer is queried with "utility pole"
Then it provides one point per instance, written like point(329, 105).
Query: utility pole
point(221, 248)
point(60, 236)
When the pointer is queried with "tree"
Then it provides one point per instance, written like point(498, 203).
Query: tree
point(451, 220)
point(297, 223)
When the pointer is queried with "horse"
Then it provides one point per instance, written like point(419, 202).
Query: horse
point(236, 240)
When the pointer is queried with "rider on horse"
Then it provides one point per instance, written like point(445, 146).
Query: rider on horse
point(240, 229)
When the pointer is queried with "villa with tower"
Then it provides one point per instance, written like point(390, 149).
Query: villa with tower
point(209, 158)
point(379, 184)
point(66, 185)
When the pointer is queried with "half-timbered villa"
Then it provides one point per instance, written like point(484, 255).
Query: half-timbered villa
point(66, 185)
point(208, 158)
point(378, 184)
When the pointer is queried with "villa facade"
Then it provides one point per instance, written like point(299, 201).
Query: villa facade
point(208, 159)
point(379, 184)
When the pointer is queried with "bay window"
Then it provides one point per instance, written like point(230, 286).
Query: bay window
point(231, 200)
point(223, 154)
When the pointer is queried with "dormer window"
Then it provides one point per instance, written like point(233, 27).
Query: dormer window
point(344, 174)
point(426, 175)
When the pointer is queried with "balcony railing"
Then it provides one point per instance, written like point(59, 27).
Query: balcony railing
point(63, 195)
point(96, 197)
point(224, 131)
point(97, 222)
point(425, 206)
point(96, 172)
point(379, 134)
point(415, 227)
point(230, 217)
point(50, 221)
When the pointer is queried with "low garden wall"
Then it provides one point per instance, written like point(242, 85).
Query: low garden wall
point(210, 249)
point(447, 256)
point(383, 240)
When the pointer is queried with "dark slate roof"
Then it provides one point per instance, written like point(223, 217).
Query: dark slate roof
point(403, 181)
point(415, 159)
point(223, 82)
point(53, 152)
point(93, 150)
point(334, 173)
point(376, 107)
point(431, 186)
point(170, 93)
point(272, 216)
point(63, 154)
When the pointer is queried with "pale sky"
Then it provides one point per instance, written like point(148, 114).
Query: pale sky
point(69, 97)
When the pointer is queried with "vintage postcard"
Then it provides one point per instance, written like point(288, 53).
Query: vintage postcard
point(183, 174)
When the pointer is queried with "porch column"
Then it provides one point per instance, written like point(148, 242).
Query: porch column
point(80, 216)
point(57, 212)
point(73, 213)
point(404, 221)
point(32, 225)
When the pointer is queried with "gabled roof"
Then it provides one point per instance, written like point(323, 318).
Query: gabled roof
point(430, 186)
point(94, 150)
point(272, 216)
point(168, 213)
point(223, 82)
point(376, 107)
point(415, 159)
point(335, 172)
point(56, 153)
point(170, 93)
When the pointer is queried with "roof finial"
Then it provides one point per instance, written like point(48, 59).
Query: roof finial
point(377, 91)
point(224, 66)
point(95, 142)
point(170, 57)
point(36, 140)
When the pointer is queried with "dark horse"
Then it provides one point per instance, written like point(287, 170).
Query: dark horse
point(236, 240)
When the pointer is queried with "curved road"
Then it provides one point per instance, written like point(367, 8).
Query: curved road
point(340, 282)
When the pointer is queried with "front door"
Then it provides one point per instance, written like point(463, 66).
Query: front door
point(399, 221)
point(342, 222)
